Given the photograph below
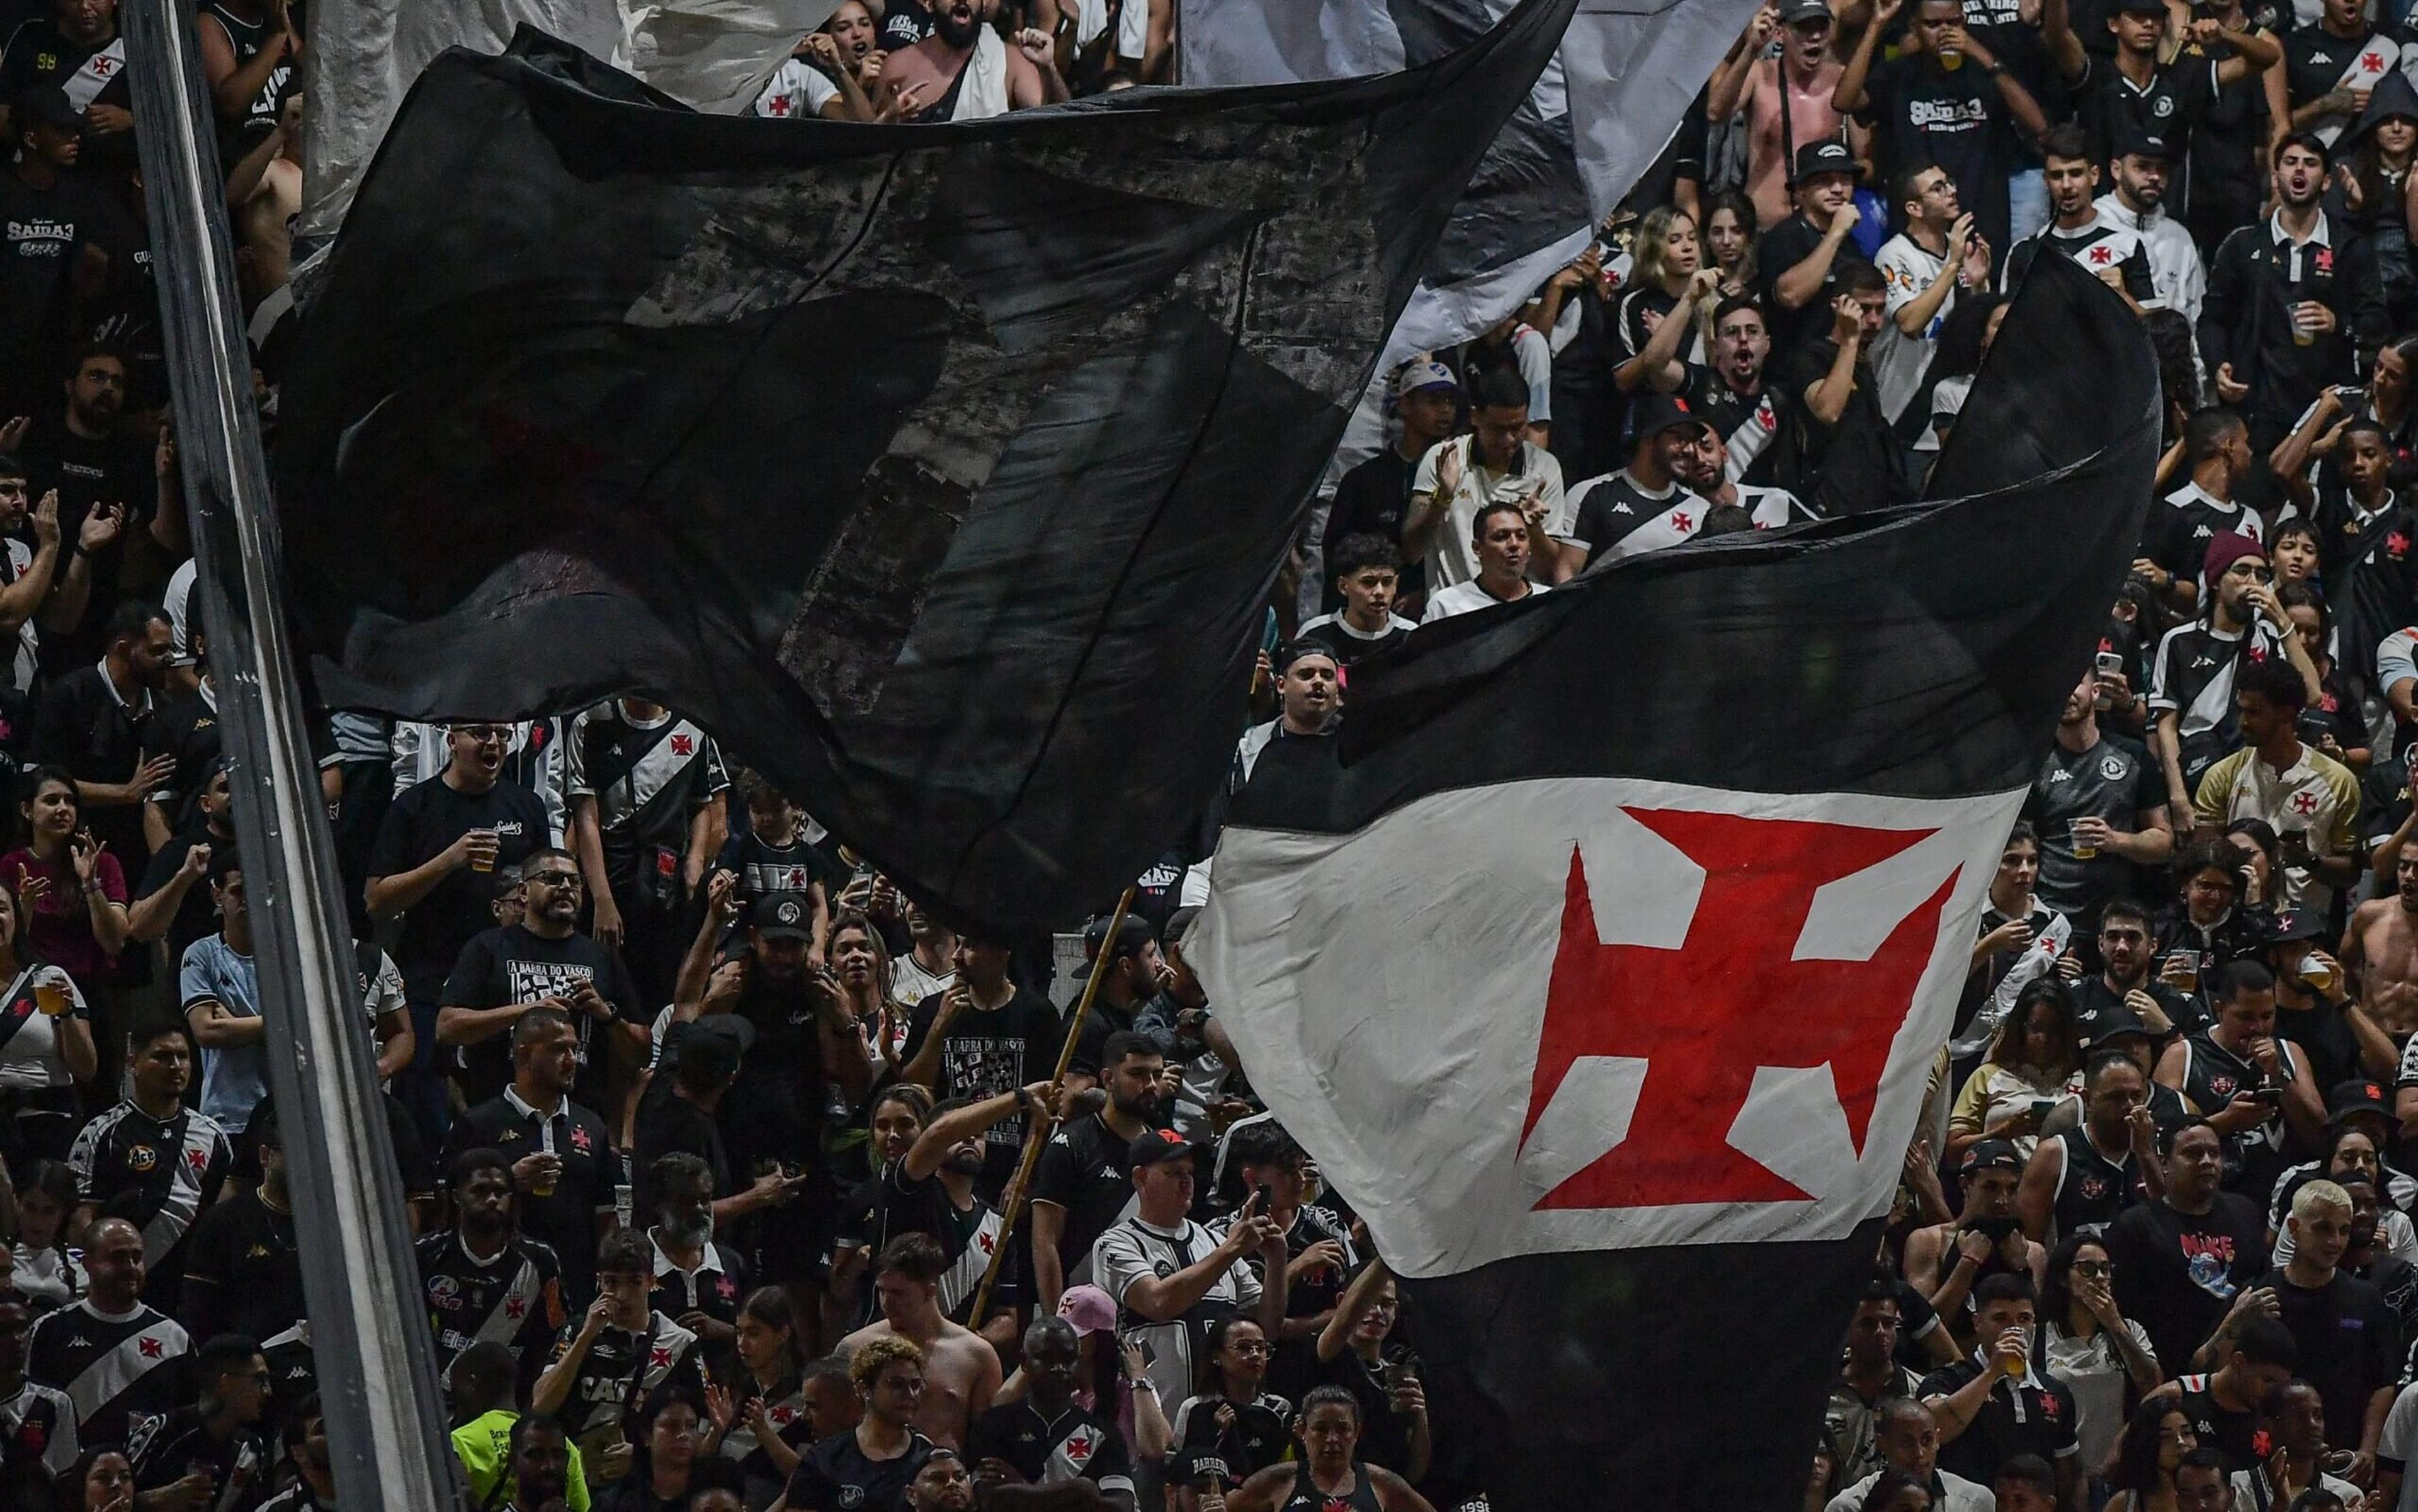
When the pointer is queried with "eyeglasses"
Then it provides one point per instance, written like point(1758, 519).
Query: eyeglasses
point(480, 733)
point(1252, 1350)
point(556, 879)
point(2252, 571)
point(2092, 1268)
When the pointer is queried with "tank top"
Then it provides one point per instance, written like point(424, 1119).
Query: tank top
point(2211, 1075)
point(1307, 1497)
point(2094, 1189)
point(247, 38)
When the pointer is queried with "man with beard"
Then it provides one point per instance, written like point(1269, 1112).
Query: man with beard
point(1048, 1438)
point(1083, 1184)
point(152, 1158)
point(2185, 1261)
point(560, 1152)
point(438, 853)
point(2275, 327)
point(968, 73)
point(2075, 228)
point(2078, 1181)
point(54, 249)
point(2192, 672)
point(698, 1283)
point(1495, 464)
point(932, 1190)
point(78, 51)
point(804, 1042)
point(306, 1450)
point(2139, 168)
point(1702, 468)
point(97, 722)
point(504, 972)
point(1640, 507)
point(100, 476)
point(484, 1282)
point(961, 1370)
point(540, 1455)
point(2248, 1084)
point(1801, 265)
point(983, 1037)
point(1835, 428)
point(171, 903)
point(2100, 791)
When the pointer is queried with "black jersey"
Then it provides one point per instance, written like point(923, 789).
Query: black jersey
point(648, 781)
point(1082, 1170)
point(513, 1298)
point(293, 1378)
point(2218, 1426)
point(1049, 1449)
point(1307, 1497)
point(2212, 1076)
point(785, 1413)
point(160, 1175)
point(622, 1373)
point(243, 1271)
point(1256, 1438)
point(837, 1476)
point(2092, 1189)
point(968, 1236)
point(114, 1368)
point(163, 1450)
point(247, 37)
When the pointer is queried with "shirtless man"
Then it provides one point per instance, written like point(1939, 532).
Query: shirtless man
point(960, 1371)
point(2380, 950)
point(1944, 1261)
point(922, 80)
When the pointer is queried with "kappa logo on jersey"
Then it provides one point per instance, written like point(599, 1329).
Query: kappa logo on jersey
point(1760, 878)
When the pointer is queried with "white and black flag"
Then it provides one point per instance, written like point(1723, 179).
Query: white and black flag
point(1601, 960)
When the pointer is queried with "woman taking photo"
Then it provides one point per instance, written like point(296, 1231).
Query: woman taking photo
point(2031, 1065)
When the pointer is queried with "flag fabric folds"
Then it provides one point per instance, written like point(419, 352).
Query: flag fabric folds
point(1599, 116)
point(940, 472)
point(1602, 958)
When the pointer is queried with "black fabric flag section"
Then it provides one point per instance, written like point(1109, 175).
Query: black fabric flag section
point(940, 472)
point(1601, 960)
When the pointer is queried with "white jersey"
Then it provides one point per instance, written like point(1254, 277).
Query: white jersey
point(1900, 360)
point(2175, 269)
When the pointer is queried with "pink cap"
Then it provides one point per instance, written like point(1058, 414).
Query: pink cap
point(1088, 1308)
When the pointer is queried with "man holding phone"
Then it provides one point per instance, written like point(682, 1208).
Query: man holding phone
point(2248, 1084)
point(2099, 792)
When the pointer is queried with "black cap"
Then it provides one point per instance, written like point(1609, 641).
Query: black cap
point(1990, 1155)
point(1796, 10)
point(1825, 156)
point(1657, 412)
point(49, 106)
point(2293, 923)
point(783, 916)
point(2347, 1100)
point(1155, 1146)
point(2140, 7)
point(1135, 932)
point(2140, 144)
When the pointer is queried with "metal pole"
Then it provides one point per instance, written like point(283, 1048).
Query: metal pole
point(376, 1362)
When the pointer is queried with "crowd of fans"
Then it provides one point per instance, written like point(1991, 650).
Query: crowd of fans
point(709, 1132)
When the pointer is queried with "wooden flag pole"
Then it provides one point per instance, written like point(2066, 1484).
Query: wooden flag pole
point(1012, 1205)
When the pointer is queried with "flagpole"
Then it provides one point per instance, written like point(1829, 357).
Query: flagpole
point(1012, 1204)
point(376, 1360)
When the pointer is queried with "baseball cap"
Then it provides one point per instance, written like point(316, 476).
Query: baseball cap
point(1087, 1307)
point(2294, 924)
point(1657, 413)
point(1155, 1146)
point(1796, 10)
point(2140, 144)
point(1427, 374)
point(2347, 1100)
point(1990, 1155)
point(1135, 932)
point(2140, 7)
point(782, 916)
point(49, 106)
point(736, 1028)
point(1824, 157)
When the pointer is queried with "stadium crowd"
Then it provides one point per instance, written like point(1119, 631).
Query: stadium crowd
point(709, 1132)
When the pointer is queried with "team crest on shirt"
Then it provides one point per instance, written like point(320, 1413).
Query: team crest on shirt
point(2162, 107)
point(2049, 1409)
point(2222, 1085)
point(725, 1288)
point(579, 1140)
point(2093, 1189)
point(198, 1161)
point(851, 1496)
point(1079, 1448)
point(2396, 546)
point(445, 1292)
point(141, 1157)
point(2112, 768)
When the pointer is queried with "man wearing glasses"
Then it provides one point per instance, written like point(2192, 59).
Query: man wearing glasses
point(2191, 677)
point(542, 960)
point(440, 853)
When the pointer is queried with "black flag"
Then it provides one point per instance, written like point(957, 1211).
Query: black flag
point(941, 471)
point(1601, 960)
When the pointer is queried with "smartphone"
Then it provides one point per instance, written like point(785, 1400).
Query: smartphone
point(2108, 662)
point(1268, 1196)
point(2042, 1108)
point(2268, 1097)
